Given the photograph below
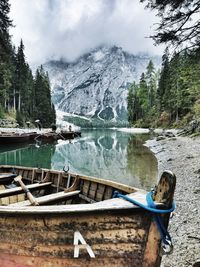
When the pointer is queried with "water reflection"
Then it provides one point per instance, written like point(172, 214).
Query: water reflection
point(110, 155)
point(107, 154)
point(141, 163)
point(28, 155)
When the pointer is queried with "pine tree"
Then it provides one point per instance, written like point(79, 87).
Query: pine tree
point(163, 87)
point(151, 83)
point(5, 53)
point(18, 90)
point(143, 96)
point(179, 22)
point(133, 105)
point(23, 86)
point(5, 23)
point(20, 76)
point(44, 109)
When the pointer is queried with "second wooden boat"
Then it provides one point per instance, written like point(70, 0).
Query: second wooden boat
point(54, 136)
point(55, 218)
point(13, 137)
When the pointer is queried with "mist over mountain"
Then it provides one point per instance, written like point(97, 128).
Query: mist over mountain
point(96, 84)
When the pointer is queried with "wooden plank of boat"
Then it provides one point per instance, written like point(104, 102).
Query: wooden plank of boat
point(48, 198)
point(15, 138)
point(6, 175)
point(18, 190)
point(3, 201)
point(113, 204)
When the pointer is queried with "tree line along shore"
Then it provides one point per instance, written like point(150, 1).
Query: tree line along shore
point(23, 96)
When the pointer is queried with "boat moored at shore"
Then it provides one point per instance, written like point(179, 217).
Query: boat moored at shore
point(57, 218)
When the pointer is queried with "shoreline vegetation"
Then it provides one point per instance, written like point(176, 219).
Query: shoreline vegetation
point(24, 97)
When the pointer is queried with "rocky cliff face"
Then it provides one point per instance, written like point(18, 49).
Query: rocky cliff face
point(96, 84)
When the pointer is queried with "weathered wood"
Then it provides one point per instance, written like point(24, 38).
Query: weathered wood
point(125, 188)
point(9, 138)
point(20, 197)
point(68, 180)
point(31, 198)
point(33, 176)
point(6, 177)
point(100, 192)
point(58, 182)
point(86, 187)
point(74, 186)
point(48, 198)
point(18, 190)
point(102, 206)
point(87, 199)
point(114, 231)
point(164, 193)
point(13, 199)
point(108, 192)
point(46, 178)
point(4, 201)
point(92, 190)
point(116, 238)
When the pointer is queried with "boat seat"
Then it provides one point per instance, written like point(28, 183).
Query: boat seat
point(7, 177)
point(18, 190)
point(55, 197)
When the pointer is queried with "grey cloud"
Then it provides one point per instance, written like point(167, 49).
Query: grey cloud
point(68, 28)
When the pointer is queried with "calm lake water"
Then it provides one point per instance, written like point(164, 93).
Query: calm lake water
point(107, 154)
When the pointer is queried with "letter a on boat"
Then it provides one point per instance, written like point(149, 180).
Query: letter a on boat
point(79, 238)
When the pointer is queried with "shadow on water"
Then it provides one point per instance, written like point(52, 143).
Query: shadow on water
point(106, 154)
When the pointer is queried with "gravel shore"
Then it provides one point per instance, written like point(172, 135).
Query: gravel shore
point(181, 155)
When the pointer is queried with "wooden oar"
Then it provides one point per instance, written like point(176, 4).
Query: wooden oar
point(31, 198)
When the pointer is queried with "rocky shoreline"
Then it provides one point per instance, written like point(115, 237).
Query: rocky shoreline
point(181, 155)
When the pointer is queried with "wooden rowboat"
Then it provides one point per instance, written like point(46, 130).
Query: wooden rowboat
point(55, 218)
point(54, 136)
point(70, 134)
point(10, 138)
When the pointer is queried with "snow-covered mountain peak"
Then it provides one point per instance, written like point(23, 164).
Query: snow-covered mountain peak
point(96, 84)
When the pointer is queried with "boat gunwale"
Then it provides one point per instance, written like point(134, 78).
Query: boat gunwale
point(120, 186)
point(116, 204)
point(104, 205)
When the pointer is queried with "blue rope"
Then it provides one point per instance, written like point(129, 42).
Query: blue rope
point(151, 206)
point(165, 236)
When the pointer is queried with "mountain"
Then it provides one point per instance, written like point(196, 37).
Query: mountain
point(96, 84)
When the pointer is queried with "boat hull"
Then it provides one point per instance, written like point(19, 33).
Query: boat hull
point(17, 138)
point(117, 238)
point(14, 139)
point(85, 226)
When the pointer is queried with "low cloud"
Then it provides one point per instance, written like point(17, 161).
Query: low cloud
point(53, 29)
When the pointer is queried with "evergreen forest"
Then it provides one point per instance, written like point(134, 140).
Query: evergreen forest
point(23, 97)
point(170, 97)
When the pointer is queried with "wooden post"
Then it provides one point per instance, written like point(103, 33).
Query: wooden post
point(163, 193)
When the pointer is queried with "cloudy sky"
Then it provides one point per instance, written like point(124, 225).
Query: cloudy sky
point(52, 29)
